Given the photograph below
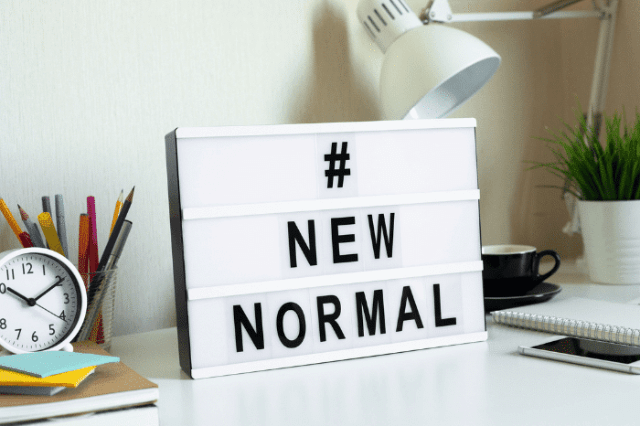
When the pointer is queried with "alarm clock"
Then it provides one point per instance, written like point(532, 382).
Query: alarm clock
point(43, 301)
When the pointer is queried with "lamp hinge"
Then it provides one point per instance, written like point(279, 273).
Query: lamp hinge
point(436, 11)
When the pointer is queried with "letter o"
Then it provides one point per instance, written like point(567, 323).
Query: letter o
point(290, 306)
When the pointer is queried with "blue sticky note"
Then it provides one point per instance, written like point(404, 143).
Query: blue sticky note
point(45, 364)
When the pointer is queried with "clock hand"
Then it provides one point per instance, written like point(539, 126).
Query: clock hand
point(60, 279)
point(30, 302)
point(50, 312)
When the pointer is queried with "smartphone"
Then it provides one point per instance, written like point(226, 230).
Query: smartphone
point(612, 356)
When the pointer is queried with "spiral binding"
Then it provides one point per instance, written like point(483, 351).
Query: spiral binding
point(569, 327)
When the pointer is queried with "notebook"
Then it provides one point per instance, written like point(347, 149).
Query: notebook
point(578, 317)
point(111, 386)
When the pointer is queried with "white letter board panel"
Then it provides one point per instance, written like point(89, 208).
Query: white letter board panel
point(308, 243)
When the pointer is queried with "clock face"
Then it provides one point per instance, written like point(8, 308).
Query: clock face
point(42, 301)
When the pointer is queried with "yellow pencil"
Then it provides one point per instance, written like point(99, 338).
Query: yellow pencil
point(116, 212)
point(12, 221)
point(49, 231)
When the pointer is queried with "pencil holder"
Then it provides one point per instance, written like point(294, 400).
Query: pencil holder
point(102, 326)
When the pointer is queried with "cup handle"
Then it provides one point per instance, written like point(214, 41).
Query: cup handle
point(539, 256)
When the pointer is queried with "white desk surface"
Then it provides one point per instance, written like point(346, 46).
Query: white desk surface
point(472, 384)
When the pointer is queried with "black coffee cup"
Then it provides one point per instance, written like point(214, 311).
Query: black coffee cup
point(512, 270)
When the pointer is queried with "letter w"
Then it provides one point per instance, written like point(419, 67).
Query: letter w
point(386, 234)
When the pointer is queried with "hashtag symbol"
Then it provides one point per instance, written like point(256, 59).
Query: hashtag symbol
point(342, 171)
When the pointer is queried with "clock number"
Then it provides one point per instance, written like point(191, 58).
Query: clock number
point(3, 288)
point(11, 276)
point(34, 337)
point(3, 323)
point(19, 330)
point(66, 298)
point(27, 271)
point(51, 330)
point(62, 316)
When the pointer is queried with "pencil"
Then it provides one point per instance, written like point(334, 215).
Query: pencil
point(93, 235)
point(46, 204)
point(60, 223)
point(32, 228)
point(83, 248)
point(46, 207)
point(106, 254)
point(116, 212)
point(49, 231)
point(25, 240)
point(12, 221)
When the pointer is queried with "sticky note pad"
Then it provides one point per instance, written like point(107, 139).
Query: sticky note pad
point(45, 364)
point(70, 379)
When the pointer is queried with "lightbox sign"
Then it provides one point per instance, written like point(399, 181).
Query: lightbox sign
point(302, 244)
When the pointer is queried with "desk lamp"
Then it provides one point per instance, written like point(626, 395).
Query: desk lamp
point(430, 69)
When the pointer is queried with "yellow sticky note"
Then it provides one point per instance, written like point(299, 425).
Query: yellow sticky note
point(70, 379)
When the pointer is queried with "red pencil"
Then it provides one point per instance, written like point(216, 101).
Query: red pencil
point(25, 239)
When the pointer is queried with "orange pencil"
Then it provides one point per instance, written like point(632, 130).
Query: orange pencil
point(83, 248)
point(12, 221)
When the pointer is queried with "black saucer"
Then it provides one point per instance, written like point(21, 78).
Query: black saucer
point(540, 293)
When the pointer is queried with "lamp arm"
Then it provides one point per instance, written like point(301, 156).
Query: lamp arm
point(440, 11)
point(602, 64)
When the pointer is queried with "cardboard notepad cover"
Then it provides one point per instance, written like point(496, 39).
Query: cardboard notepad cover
point(110, 386)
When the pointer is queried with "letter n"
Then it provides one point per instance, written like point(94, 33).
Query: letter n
point(240, 320)
point(309, 251)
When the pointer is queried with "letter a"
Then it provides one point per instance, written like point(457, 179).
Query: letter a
point(413, 314)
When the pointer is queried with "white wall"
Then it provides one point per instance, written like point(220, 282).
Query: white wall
point(88, 90)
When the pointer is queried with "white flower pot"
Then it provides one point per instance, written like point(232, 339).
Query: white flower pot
point(611, 235)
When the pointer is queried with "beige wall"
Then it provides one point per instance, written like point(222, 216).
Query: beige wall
point(88, 90)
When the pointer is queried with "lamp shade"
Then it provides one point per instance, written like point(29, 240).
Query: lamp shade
point(432, 70)
point(428, 70)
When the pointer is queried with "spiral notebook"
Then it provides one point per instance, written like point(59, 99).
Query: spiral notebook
point(578, 317)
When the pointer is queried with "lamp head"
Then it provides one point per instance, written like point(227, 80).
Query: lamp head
point(428, 70)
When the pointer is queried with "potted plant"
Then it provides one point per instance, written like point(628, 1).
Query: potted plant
point(605, 178)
